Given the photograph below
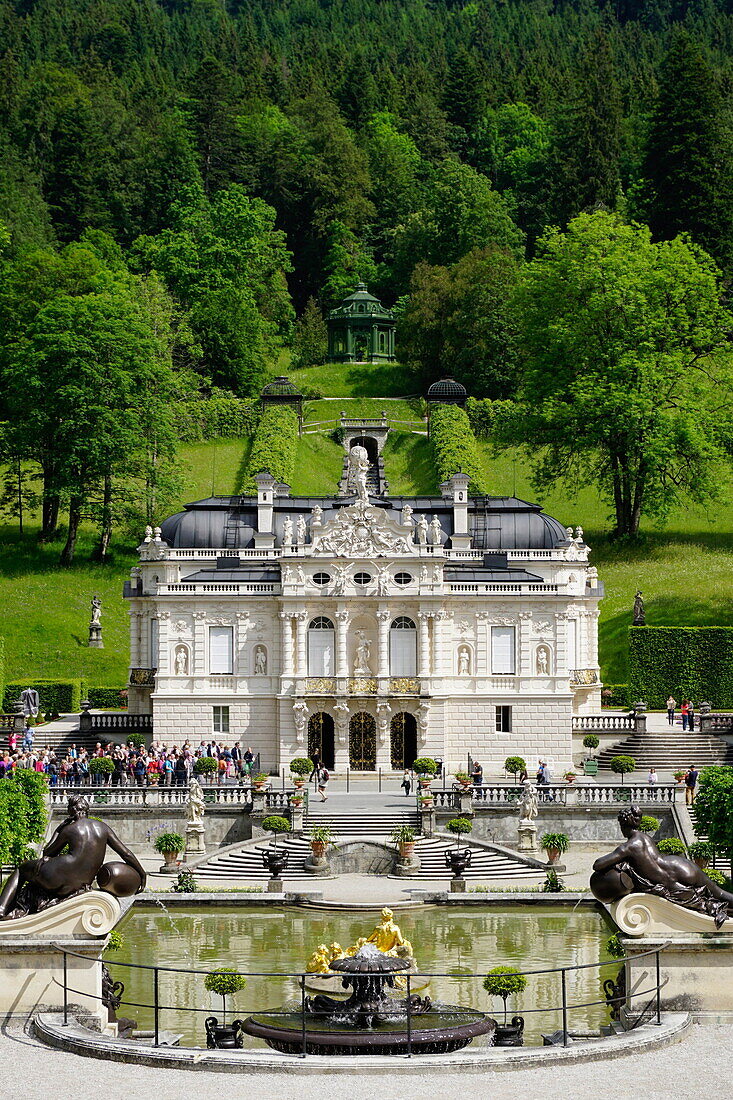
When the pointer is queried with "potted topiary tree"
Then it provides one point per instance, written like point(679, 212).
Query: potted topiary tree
point(622, 765)
point(456, 859)
point(425, 768)
point(169, 845)
point(275, 861)
point(649, 824)
point(226, 982)
point(672, 846)
point(403, 837)
point(503, 981)
point(701, 852)
point(515, 765)
point(300, 769)
point(591, 741)
point(554, 844)
point(103, 766)
point(206, 767)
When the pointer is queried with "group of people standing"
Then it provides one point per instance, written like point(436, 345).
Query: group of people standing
point(687, 710)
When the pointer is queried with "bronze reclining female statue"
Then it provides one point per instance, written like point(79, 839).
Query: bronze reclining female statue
point(60, 874)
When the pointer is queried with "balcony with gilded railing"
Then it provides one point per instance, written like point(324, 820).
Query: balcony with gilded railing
point(362, 685)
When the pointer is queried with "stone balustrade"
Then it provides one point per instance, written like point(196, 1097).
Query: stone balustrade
point(140, 797)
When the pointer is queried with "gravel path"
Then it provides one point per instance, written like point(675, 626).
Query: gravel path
point(696, 1067)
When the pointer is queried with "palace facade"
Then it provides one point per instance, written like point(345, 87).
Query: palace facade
point(372, 628)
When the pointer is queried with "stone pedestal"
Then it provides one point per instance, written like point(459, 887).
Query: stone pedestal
point(95, 636)
point(275, 886)
point(317, 865)
point(458, 886)
point(32, 957)
point(527, 836)
point(297, 819)
point(403, 868)
point(195, 843)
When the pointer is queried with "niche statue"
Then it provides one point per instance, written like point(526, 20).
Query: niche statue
point(39, 883)
point(637, 866)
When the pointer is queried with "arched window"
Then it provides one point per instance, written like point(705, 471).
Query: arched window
point(403, 647)
point(320, 647)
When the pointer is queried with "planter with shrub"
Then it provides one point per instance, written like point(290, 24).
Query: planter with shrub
point(701, 853)
point(425, 769)
point(623, 765)
point(102, 766)
point(554, 844)
point(515, 765)
point(169, 845)
point(206, 767)
point(504, 982)
point(591, 741)
point(300, 768)
point(225, 982)
point(649, 824)
point(672, 846)
point(403, 838)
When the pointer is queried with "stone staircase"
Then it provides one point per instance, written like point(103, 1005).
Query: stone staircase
point(670, 751)
point(378, 826)
point(244, 863)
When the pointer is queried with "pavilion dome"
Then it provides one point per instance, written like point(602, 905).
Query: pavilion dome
point(280, 387)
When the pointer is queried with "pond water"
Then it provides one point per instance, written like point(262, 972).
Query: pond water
point(460, 943)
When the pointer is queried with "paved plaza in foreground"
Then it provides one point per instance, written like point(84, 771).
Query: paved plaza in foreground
point(696, 1067)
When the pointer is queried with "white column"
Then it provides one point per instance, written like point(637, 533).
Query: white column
point(525, 644)
point(300, 629)
point(163, 646)
point(438, 669)
point(383, 618)
point(593, 647)
point(342, 627)
point(136, 618)
point(199, 643)
point(483, 649)
point(561, 644)
point(286, 644)
point(424, 651)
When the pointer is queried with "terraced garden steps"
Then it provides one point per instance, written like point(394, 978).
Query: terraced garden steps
point(669, 750)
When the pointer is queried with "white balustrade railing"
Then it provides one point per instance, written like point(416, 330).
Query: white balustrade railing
point(139, 797)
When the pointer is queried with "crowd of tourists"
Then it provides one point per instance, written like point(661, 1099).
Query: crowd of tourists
point(158, 765)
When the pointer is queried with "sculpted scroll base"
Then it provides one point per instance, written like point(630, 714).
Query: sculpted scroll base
point(648, 915)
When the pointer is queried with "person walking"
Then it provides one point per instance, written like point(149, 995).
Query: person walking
point(477, 775)
point(652, 777)
point(407, 782)
point(323, 778)
point(691, 784)
point(316, 759)
point(671, 708)
point(691, 716)
point(683, 711)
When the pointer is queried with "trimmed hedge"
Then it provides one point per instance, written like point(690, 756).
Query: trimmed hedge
point(616, 695)
point(62, 696)
point(107, 698)
point(489, 419)
point(694, 662)
point(274, 446)
point(214, 417)
point(454, 445)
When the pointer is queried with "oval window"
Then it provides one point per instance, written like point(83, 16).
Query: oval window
point(321, 578)
point(402, 578)
point(362, 578)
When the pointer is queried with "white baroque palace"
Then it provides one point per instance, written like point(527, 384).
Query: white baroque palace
point(372, 628)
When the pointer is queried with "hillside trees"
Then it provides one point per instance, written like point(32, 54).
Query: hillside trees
point(87, 377)
point(687, 174)
point(225, 263)
point(458, 322)
point(620, 380)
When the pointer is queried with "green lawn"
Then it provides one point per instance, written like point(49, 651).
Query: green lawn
point(684, 569)
point(318, 466)
point(329, 412)
point(356, 380)
point(46, 609)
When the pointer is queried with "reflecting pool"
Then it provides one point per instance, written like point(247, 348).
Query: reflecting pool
point(460, 943)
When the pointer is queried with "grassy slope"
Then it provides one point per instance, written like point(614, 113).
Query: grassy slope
point(685, 569)
point(46, 609)
point(340, 379)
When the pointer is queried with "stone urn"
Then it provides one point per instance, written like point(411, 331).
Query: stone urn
point(223, 1036)
point(458, 859)
point(511, 1034)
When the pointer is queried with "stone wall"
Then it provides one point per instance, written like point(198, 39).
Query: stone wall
point(541, 728)
point(583, 824)
point(137, 827)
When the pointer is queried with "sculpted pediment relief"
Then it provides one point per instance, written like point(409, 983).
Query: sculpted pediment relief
point(362, 530)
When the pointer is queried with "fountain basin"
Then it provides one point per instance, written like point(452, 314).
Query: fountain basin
point(438, 1032)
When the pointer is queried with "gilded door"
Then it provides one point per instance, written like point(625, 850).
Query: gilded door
point(320, 738)
point(363, 743)
point(403, 741)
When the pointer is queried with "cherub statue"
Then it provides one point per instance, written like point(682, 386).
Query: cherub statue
point(319, 962)
point(528, 805)
point(336, 951)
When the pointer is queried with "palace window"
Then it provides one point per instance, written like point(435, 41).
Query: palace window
point(403, 647)
point(221, 719)
point(362, 578)
point(321, 578)
point(502, 650)
point(320, 647)
point(221, 650)
point(403, 578)
point(503, 719)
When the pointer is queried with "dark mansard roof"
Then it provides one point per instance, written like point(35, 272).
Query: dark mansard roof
point(496, 523)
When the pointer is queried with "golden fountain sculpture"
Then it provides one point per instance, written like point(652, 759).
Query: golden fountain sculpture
point(387, 936)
